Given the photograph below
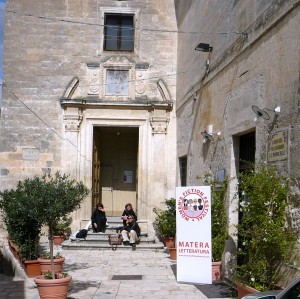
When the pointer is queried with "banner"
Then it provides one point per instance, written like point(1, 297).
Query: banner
point(193, 234)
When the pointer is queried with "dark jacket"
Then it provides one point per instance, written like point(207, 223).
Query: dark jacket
point(127, 213)
point(99, 218)
point(133, 226)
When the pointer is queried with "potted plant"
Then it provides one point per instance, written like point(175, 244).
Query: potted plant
point(50, 288)
point(219, 222)
point(45, 262)
point(267, 240)
point(165, 223)
point(56, 196)
point(23, 224)
point(62, 230)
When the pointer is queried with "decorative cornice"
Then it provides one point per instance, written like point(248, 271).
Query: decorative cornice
point(98, 104)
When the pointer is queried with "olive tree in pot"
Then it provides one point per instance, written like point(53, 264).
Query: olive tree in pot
point(58, 196)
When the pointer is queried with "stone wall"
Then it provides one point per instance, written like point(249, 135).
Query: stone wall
point(255, 61)
point(54, 76)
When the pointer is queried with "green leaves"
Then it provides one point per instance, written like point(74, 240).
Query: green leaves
point(219, 219)
point(165, 222)
point(266, 239)
point(36, 202)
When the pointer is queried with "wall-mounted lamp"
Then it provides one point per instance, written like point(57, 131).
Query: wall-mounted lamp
point(265, 113)
point(203, 47)
point(209, 134)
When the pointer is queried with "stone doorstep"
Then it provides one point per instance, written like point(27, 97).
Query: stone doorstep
point(81, 244)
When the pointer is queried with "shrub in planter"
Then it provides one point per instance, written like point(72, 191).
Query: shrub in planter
point(219, 218)
point(165, 221)
point(50, 286)
point(62, 230)
point(267, 240)
point(45, 262)
point(21, 218)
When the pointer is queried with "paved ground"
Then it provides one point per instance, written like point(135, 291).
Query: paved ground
point(117, 274)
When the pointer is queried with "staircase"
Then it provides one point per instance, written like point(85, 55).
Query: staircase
point(100, 240)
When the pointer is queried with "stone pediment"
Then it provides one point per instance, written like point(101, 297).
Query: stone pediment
point(117, 61)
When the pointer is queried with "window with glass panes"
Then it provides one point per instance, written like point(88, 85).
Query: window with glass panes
point(119, 32)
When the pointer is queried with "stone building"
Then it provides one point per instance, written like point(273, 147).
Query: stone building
point(238, 98)
point(89, 89)
point(114, 93)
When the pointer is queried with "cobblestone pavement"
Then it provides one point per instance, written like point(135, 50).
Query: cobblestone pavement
point(109, 274)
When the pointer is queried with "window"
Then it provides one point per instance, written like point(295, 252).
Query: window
point(118, 32)
point(183, 170)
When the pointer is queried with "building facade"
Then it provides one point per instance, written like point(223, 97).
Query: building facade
point(238, 98)
point(89, 89)
point(115, 94)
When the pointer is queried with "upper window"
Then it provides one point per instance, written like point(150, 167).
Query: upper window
point(118, 32)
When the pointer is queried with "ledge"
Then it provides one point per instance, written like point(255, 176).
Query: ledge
point(97, 103)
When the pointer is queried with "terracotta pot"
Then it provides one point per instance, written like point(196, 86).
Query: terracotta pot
point(53, 288)
point(173, 253)
point(169, 242)
point(46, 265)
point(14, 248)
point(216, 271)
point(57, 240)
point(32, 268)
point(244, 290)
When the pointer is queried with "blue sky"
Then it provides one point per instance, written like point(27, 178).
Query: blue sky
point(2, 7)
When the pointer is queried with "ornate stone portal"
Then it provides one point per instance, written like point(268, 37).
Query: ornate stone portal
point(99, 109)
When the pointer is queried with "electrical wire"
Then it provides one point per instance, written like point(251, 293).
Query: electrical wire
point(46, 125)
point(112, 27)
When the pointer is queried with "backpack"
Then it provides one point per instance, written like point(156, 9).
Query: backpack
point(114, 240)
point(82, 233)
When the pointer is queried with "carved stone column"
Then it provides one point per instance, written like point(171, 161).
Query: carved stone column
point(72, 125)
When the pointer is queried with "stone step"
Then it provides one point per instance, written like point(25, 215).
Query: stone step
point(103, 237)
point(92, 235)
point(100, 240)
point(96, 245)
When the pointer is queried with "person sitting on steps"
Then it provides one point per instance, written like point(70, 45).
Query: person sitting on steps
point(128, 212)
point(99, 219)
point(131, 232)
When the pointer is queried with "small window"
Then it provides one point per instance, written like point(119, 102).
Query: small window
point(183, 170)
point(119, 33)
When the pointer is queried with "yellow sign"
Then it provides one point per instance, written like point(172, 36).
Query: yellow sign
point(278, 147)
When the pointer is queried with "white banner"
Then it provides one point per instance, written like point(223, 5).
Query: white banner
point(193, 234)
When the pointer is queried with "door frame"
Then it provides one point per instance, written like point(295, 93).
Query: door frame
point(86, 157)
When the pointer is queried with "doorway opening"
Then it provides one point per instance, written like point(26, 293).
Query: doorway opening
point(247, 147)
point(115, 156)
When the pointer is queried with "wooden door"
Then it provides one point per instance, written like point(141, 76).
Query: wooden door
point(117, 150)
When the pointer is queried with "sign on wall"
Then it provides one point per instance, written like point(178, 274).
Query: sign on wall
point(278, 147)
point(193, 234)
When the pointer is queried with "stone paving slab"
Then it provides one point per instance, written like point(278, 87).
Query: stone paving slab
point(92, 272)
